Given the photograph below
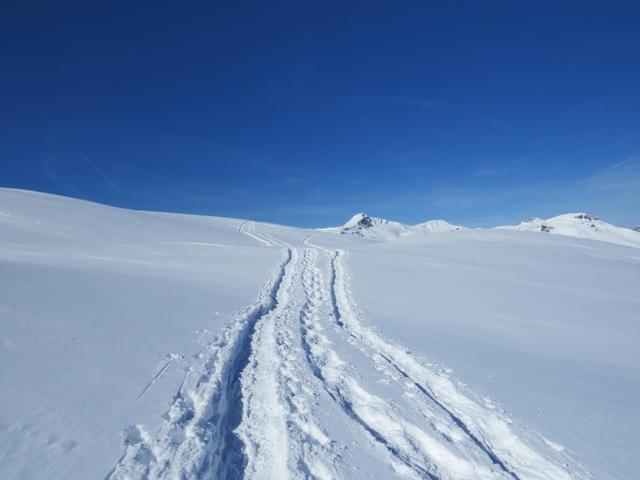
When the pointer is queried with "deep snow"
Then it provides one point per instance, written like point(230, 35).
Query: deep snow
point(140, 344)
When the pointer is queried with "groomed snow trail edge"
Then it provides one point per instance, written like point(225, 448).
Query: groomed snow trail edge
point(254, 403)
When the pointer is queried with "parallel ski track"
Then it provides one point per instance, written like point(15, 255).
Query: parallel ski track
point(248, 228)
point(487, 430)
point(328, 367)
point(263, 426)
point(423, 452)
point(280, 434)
point(246, 408)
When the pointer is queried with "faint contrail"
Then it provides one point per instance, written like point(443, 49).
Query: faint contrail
point(90, 162)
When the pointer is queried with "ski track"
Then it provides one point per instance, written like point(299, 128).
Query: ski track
point(197, 438)
point(277, 403)
point(249, 228)
point(161, 371)
point(249, 405)
point(407, 445)
point(489, 431)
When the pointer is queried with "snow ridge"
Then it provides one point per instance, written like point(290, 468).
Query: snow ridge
point(580, 225)
point(364, 225)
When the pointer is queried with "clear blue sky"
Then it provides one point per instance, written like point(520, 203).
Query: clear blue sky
point(302, 112)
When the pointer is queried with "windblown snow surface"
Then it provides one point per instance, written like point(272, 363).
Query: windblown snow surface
point(144, 345)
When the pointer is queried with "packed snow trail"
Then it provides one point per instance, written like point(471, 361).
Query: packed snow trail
point(297, 380)
point(278, 430)
point(197, 439)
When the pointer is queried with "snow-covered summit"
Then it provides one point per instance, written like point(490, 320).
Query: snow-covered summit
point(381, 228)
point(581, 225)
point(360, 220)
point(435, 226)
point(367, 226)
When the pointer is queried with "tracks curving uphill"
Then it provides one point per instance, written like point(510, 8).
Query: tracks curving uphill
point(298, 381)
point(249, 228)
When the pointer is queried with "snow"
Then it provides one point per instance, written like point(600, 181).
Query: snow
point(545, 326)
point(357, 220)
point(381, 229)
point(148, 345)
point(581, 225)
point(101, 311)
point(435, 226)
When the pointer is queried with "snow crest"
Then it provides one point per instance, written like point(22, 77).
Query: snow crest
point(379, 228)
point(580, 225)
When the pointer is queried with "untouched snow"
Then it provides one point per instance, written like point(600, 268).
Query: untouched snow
point(581, 225)
point(145, 345)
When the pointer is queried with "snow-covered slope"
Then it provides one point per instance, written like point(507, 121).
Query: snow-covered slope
point(144, 345)
point(379, 228)
point(101, 312)
point(580, 225)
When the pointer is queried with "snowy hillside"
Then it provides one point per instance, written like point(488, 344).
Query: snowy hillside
point(102, 310)
point(379, 228)
point(146, 345)
point(581, 225)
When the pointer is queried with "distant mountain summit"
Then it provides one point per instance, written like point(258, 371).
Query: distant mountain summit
point(581, 225)
point(363, 225)
point(380, 228)
point(362, 220)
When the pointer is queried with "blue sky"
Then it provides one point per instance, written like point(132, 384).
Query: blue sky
point(481, 113)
